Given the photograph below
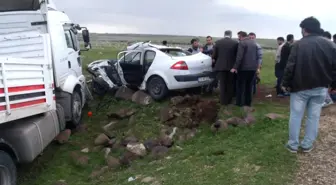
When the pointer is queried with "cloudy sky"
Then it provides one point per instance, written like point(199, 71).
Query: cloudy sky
point(267, 18)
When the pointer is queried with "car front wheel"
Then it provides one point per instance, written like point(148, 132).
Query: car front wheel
point(157, 88)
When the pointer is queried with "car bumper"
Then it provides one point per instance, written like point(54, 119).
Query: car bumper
point(192, 80)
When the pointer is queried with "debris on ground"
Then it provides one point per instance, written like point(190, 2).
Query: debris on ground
point(109, 129)
point(124, 93)
point(130, 179)
point(137, 149)
point(85, 150)
point(122, 113)
point(111, 161)
point(63, 136)
point(101, 139)
point(274, 116)
point(142, 98)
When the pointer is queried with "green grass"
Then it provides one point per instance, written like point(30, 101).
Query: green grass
point(248, 155)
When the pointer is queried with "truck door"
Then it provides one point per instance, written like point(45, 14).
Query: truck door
point(74, 62)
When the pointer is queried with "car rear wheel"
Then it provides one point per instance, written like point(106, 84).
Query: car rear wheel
point(157, 88)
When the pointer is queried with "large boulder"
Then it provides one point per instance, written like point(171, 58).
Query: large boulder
point(140, 97)
point(124, 93)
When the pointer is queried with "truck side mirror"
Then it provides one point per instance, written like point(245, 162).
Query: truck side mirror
point(86, 38)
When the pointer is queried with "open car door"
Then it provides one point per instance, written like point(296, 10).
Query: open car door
point(130, 67)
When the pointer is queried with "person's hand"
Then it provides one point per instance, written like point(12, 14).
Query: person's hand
point(233, 70)
point(285, 89)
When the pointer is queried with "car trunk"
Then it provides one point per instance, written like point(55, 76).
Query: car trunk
point(197, 63)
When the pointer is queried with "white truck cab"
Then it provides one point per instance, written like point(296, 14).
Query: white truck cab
point(42, 87)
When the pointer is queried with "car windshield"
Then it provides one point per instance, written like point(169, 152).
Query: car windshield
point(175, 52)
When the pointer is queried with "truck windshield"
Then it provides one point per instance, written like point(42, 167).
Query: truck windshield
point(175, 52)
point(19, 5)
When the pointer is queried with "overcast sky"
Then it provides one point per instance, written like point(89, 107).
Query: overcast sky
point(267, 18)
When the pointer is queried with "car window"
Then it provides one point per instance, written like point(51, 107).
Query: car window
point(149, 57)
point(131, 58)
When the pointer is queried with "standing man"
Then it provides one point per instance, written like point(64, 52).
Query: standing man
point(239, 36)
point(260, 55)
point(311, 68)
point(208, 47)
point(165, 43)
point(195, 47)
point(284, 54)
point(281, 42)
point(328, 101)
point(224, 54)
point(245, 66)
point(334, 38)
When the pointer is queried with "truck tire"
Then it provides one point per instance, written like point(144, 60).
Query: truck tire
point(76, 109)
point(8, 173)
point(61, 116)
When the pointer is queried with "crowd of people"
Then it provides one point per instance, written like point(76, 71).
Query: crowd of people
point(305, 71)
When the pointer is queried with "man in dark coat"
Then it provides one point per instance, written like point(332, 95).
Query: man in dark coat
point(224, 55)
point(245, 66)
point(310, 69)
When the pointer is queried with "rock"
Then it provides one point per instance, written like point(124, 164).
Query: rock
point(99, 172)
point(140, 97)
point(137, 148)
point(207, 111)
point(129, 139)
point(124, 93)
point(112, 162)
point(85, 150)
point(109, 129)
point(63, 136)
point(176, 100)
point(112, 142)
point(98, 148)
point(81, 160)
point(250, 119)
point(274, 116)
point(132, 120)
point(166, 141)
point(127, 157)
point(147, 180)
point(101, 139)
point(60, 182)
point(150, 144)
point(219, 125)
point(159, 152)
point(122, 113)
point(235, 121)
point(166, 114)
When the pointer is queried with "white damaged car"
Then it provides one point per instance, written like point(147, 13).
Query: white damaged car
point(156, 69)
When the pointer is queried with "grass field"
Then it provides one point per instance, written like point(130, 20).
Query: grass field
point(239, 156)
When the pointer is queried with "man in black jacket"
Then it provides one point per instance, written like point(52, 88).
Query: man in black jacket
point(284, 54)
point(311, 68)
point(224, 54)
point(334, 38)
point(245, 66)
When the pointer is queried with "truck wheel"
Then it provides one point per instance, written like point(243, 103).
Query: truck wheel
point(76, 109)
point(61, 116)
point(157, 88)
point(7, 169)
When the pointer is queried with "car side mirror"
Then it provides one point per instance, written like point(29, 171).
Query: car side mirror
point(86, 39)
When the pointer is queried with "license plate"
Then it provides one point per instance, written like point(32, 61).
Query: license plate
point(203, 79)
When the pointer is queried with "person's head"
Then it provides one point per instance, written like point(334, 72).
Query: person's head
point(334, 38)
point(164, 43)
point(290, 38)
point(327, 35)
point(252, 35)
point(310, 25)
point(280, 40)
point(194, 42)
point(321, 32)
point(209, 40)
point(243, 35)
point(239, 35)
point(228, 33)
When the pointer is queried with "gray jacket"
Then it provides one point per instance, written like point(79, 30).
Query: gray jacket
point(248, 56)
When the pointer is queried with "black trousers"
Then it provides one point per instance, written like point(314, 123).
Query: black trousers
point(227, 87)
point(244, 88)
point(280, 74)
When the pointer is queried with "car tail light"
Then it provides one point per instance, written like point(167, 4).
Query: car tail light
point(180, 65)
